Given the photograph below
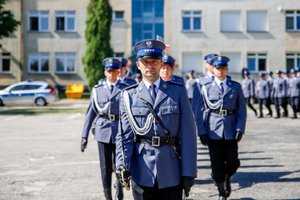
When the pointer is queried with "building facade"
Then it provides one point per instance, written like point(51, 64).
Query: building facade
point(50, 43)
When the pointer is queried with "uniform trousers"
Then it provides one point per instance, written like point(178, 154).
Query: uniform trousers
point(249, 104)
point(107, 153)
point(283, 103)
point(154, 193)
point(295, 103)
point(224, 159)
point(266, 103)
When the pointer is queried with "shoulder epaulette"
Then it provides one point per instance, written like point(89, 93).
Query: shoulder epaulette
point(175, 83)
point(131, 86)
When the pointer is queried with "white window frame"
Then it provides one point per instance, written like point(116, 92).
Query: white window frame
point(191, 15)
point(256, 28)
point(65, 57)
point(118, 19)
point(257, 56)
point(69, 14)
point(294, 15)
point(293, 56)
point(235, 15)
point(2, 57)
point(39, 56)
point(39, 14)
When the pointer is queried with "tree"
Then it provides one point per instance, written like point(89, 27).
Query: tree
point(7, 22)
point(97, 35)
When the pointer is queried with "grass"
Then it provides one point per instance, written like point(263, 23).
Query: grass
point(37, 111)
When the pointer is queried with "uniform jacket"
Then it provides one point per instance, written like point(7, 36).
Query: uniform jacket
point(105, 130)
point(145, 162)
point(263, 89)
point(294, 87)
point(280, 88)
point(248, 86)
point(127, 81)
point(213, 124)
point(177, 79)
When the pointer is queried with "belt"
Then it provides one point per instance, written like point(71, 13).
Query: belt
point(110, 117)
point(157, 141)
point(224, 112)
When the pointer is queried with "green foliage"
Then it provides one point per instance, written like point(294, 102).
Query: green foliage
point(7, 22)
point(97, 36)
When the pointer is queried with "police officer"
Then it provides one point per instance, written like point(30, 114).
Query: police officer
point(156, 142)
point(200, 81)
point(103, 110)
point(223, 123)
point(294, 88)
point(167, 69)
point(279, 94)
point(248, 86)
point(123, 73)
point(263, 90)
point(191, 80)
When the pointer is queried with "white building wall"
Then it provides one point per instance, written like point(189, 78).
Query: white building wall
point(275, 42)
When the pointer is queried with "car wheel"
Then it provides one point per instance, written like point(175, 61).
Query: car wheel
point(1, 102)
point(40, 101)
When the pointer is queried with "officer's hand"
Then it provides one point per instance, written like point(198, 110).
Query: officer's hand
point(124, 177)
point(204, 139)
point(187, 183)
point(84, 143)
point(239, 136)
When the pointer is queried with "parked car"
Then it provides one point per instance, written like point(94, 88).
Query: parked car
point(39, 93)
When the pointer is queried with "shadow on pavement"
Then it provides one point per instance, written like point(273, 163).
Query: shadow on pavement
point(247, 179)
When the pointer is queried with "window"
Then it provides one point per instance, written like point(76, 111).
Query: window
point(234, 65)
point(118, 15)
point(257, 21)
point(257, 62)
point(65, 62)
point(292, 61)
point(38, 21)
point(65, 21)
point(230, 21)
point(191, 20)
point(38, 62)
point(292, 20)
point(147, 19)
point(5, 62)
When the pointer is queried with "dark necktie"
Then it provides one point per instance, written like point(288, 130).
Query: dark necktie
point(111, 88)
point(153, 91)
point(222, 87)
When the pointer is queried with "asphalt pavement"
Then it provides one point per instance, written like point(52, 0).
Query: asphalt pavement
point(41, 159)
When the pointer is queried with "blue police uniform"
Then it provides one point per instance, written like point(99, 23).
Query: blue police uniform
point(103, 112)
point(126, 79)
point(248, 86)
point(279, 94)
point(167, 59)
point(197, 87)
point(157, 154)
point(263, 90)
point(221, 118)
point(294, 88)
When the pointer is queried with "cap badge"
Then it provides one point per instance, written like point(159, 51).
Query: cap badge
point(149, 44)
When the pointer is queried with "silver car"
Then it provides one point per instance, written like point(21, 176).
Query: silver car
point(39, 93)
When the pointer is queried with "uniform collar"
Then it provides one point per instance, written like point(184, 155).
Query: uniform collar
point(109, 83)
point(219, 81)
point(156, 83)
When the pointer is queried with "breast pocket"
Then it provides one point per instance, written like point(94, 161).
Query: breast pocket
point(140, 115)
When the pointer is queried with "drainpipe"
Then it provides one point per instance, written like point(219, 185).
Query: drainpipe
point(21, 36)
